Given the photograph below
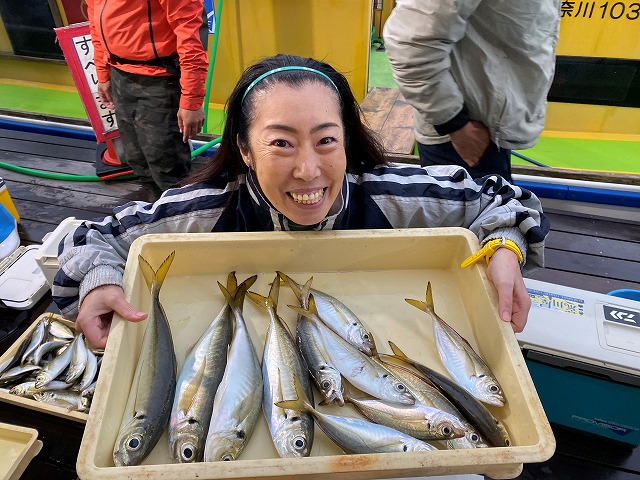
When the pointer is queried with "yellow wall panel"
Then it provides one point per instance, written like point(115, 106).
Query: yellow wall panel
point(592, 121)
point(600, 29)
point(336, 31)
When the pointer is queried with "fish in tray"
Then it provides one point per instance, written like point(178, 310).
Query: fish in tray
point(428, 394)
point(291, 430)
point(198, 382)
point(460, 359)
point(238, 401)
point(491, 429)
point(364, 372)
point(421, 421)
point(325, 376)
point(335, 314)
point(355, 435)
point(154, 381)
point(52, 359)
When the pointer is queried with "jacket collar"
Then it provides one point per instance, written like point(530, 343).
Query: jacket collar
point(264, 209)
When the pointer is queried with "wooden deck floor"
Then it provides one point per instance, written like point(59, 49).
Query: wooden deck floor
point(583, 252)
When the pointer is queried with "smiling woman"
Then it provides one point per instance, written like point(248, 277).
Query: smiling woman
point(295, 155)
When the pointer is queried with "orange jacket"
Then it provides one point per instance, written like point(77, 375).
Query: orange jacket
point(140, 30)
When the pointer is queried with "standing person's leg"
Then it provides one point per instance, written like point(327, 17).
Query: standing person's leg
point(168, 157)
point(126, 96)
point(494, 160)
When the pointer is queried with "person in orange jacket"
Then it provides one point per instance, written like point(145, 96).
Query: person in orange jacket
point(152, 65)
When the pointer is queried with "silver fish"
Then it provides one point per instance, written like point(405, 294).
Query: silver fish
point(419, 420)
point(54, 368)
point(364, 372)
point(238, 401)
point(291, 431)
point(326, 377)
point(154, 381)
point(45, 348)
point(335, 314)
point(428, 394)
point(60, 331)
point(17, 373)
point(64, 398)
point(78, 359)
point(355, 435)
point(198, 382)
point(309, 339)
point(460, 359)
point(37, 337)
point(28, 389)
point(90, 371)
point(492, 430)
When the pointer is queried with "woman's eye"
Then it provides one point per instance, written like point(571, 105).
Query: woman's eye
point(280, 143)
point(327, 140)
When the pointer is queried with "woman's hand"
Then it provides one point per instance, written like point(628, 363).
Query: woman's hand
point(96, 313)
point(513, 299)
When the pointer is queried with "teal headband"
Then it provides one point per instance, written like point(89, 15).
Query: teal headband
point(284, 69)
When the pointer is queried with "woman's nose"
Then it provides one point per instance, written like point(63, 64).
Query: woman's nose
point(307, 165)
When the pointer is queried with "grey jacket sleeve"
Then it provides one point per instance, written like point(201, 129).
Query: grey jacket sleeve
point(419, 36)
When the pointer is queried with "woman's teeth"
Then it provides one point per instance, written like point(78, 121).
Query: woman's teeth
point(307, 198)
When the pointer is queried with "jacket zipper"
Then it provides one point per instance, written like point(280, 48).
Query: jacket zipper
point(104, 39)
point(153, 43)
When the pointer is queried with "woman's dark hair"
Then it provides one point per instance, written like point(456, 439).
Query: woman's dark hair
point(363, 150)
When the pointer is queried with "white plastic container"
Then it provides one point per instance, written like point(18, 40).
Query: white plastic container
point(47, 255)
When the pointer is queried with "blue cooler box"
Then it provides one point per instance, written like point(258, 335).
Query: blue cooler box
point(583, 352)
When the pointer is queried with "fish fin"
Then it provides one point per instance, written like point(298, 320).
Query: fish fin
point(418, 304)
point(259, 300)
point(295, 287)
point(236, 301)
point(397, 352)
point(374, 349)
point(232, 283)
point(299, 403)
point(161, 273)
point(150, 275)
point(185, 401)
point(311, 312)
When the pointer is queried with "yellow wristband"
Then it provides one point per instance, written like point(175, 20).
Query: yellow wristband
point(489, 248)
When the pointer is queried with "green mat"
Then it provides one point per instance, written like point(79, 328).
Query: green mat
point(65, 103)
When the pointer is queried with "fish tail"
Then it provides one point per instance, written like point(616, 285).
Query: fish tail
point(299, 403)
point(311, 312)
point(232, 283)
point(397, 352)
point(150, 275)
point(236, 301)
point(300, 291)
point(269, 303)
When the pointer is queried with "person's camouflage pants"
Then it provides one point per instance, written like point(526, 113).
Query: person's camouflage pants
point(146, 111)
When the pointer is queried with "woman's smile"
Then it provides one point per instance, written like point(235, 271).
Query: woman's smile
point(311, 198)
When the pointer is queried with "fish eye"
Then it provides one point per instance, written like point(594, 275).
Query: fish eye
point(405, 448)
point(446, 430)
point(493, 388)
point(473, 437)
point(134, 442)
point(326, 385)
point(507, 443)
point(366, 336)
point(227, 457)
point(187, 452)
point(400, 387)
point(240, 433)
point(299, 443)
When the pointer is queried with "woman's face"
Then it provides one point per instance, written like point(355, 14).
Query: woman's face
point(297, 149)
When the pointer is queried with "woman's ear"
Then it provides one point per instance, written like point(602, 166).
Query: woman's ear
point(244, 151)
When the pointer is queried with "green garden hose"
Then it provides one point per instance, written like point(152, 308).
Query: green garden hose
point(212, 63)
